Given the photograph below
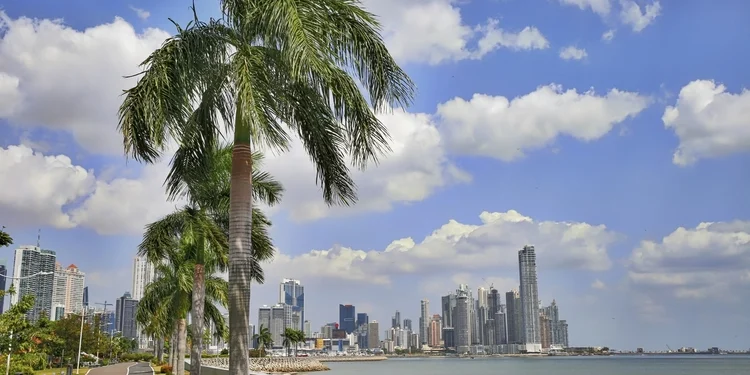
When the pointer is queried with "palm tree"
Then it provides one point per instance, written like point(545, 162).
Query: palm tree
point(264, 339)
point(5, 239)
point(200, 229)
point(167, 301)
point(288, 341)
point(272, 70)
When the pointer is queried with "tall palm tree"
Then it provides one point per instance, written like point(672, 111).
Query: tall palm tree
point(200, 229)
point(272, 70)
point(167, 301)
point(263, 338)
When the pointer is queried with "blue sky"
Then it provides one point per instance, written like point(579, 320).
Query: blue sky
point(593, 129)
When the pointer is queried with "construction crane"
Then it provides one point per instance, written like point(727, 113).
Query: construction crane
point(669, 349)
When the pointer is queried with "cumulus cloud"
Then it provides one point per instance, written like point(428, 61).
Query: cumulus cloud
point(710, 260)
point(416, 167)
point(52, 190)
point(433, 32)
point(63, 79)
point(573, 53)
point(708, 121)
point(608, 35)
point(598, 284)
point(600, 7)
point(36, 187)
point(503, 128)
point(485, 247)
point(636, 17)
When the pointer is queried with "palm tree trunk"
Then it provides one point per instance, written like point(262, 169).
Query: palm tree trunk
point(173, 347)
point(199, 300)
point(240, 248)
point(181, 346)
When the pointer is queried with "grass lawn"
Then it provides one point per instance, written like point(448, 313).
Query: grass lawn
point(56, 371)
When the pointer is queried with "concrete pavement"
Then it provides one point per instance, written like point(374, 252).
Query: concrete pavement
point(128, 368)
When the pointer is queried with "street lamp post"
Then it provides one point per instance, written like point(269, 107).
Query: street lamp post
point(10, 343)
point(80, 341)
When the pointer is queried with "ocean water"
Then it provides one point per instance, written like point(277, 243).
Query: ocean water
point(613, 365)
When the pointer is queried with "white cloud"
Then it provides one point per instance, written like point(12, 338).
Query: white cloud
point(416, 167)
point(608, 35)
point(64, 79)
point(573, 53)
point(433, 32)
point(51, 190)
point(141, 13)
point(709, 122)
point(497, 127)
point(600, 7)
point(482, 249)
point(710, 260)
point(598, 284)
point(632, 15)
point(36, 187)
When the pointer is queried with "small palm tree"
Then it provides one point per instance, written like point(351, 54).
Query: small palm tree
point(167, 301)
point(264, 339)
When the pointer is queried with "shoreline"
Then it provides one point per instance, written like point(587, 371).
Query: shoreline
point(351, 358)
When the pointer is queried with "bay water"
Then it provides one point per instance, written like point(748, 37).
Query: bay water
point(611, 365)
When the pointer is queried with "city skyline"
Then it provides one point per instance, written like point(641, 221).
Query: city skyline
point(613, 139)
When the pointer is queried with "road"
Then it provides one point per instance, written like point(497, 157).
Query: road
point(129, 368)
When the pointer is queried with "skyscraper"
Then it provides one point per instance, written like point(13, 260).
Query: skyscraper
point(3, 274)
point(496, 314)
point(424, 321)
point(363, 324)
point(143, 274)
point(514, 317)
point(125, 308)
point(462, 322)
point(373, 335)
point(396, 321)
point(85, 296)
point(407, 325)
point(31, 260)
point(435, 331)
point(347, 320)
point(448, 305)
point(529, 299)
point(292, 293)
point(67, 289)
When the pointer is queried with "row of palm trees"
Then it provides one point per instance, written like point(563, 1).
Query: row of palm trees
point(291, 338)
point(264, 72)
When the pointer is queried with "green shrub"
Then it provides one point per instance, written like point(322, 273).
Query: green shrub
point(224, 351)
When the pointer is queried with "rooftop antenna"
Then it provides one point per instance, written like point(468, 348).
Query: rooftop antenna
point(38, 237)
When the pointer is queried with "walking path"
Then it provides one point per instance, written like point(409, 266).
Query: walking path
point(129, 368)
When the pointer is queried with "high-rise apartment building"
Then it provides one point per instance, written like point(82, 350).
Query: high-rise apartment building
point(68, 287)
point(308, 329)
point(85, 296)
point(292, 293)
point(347, 318)
point(143, 274)
point(424, 321)
point(373, 335)
point(276, 318)
point(435, 331)
point(553, 331)
point(529, 299)
point(125, 308)
point(32, 260)
point(396, 320)
point(3, 275)
point(496, 314)
point(514, 317)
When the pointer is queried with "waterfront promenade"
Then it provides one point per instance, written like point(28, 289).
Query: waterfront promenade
point(128, 368)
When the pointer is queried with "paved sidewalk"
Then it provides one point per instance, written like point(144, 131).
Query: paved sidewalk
point(128, 368)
